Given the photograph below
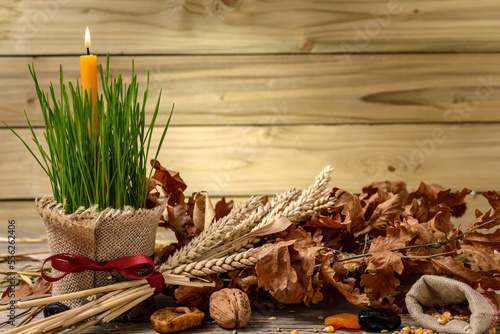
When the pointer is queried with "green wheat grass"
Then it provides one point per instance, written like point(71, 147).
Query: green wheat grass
point(108, 165)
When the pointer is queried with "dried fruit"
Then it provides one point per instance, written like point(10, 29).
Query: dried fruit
point(54, 308)
point(175, 319)
point(376, 320)
point(347, 320)
point(230, 308)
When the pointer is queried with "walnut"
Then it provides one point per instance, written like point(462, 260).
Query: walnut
point(230, 308)
point(175, 319)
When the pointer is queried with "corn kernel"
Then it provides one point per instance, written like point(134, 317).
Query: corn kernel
point(492, 330)
point(294, 332)
point(447, 315)
point(406, 330)
point(442, 320)
point(329, 329)
point(419, 331)
point(428, 331)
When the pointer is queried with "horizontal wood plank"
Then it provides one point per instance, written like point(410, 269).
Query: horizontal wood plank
point(251, 160)
point(316, 89)
point(32, 27)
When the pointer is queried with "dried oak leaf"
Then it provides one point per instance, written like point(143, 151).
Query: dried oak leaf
point(383, 216)
point(386, 261)
point(485, 220)
point(293, 260)
point(379, 284)
point(331, 274)
point(458, 270)
point(485, 259)
point(40, 287)
point(396, 237)
point(442, 220)
point(378, 193)
point(222, 208)
point(434, 195)
point(416, 210)
point(347, 209)
point(197, 296)
point(488, 241)
point(171, 183)
point(245, 280)
point(493, 198)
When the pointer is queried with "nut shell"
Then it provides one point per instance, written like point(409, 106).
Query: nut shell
point(230, 308)
point(176, 319)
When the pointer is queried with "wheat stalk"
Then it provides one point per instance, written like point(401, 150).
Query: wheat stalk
point(212, 235)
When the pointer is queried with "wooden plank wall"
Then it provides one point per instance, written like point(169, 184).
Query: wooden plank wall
point(268, 92)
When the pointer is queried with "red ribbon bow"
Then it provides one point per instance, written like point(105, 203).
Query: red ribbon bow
point(136, 266)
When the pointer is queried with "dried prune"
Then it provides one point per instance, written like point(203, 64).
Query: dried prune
point(54, 308)
point(377, 320)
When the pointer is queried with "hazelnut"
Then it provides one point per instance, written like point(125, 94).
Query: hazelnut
point(230, 308)
point(175, 319)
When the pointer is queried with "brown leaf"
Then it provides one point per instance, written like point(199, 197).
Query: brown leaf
point(171, 183)
point(222, 208)
point(441, 221)
point(347, 209)
point(23, 290)
point(276, 256)
point(396, 237)
point(197, 296)
point(493, 198)
point(487, 241)
point(331, 275)
point(41, 287)
point(244, 279)
point(203, 212)
point(383, 215)
point(416, 210)
point(435, 196)
point(485, 220)
point(457, 270)
point(379, 284)
point(386, 261)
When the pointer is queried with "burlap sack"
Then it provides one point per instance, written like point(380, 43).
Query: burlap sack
point(98, 235)
point(438, 291)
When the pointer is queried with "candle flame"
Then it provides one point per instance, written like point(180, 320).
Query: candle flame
point(87, 38)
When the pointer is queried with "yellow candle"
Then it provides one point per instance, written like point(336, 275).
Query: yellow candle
point(88, 69)
point(88, 73)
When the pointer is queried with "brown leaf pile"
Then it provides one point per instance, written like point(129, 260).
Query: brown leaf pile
point(366, 244)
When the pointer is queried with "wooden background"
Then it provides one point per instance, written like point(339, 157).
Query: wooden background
point(268, 92)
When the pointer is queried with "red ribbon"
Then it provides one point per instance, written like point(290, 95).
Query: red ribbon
point(136, 266)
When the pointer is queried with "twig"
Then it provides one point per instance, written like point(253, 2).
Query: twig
point(429, 245)
point(427, 256)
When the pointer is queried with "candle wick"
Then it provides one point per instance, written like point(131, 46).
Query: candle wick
point(88, 52)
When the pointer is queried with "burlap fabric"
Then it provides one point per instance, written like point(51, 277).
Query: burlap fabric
point(432, 290)
point(98, 235)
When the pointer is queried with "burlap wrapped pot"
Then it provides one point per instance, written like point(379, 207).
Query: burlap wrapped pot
point(98, 235)
point(431, 290)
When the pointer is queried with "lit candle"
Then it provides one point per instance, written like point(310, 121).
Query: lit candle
point(88, 70)
point(88, 73)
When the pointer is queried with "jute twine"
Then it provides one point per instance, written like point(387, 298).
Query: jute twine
point(432, 290)
point(98, 235)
